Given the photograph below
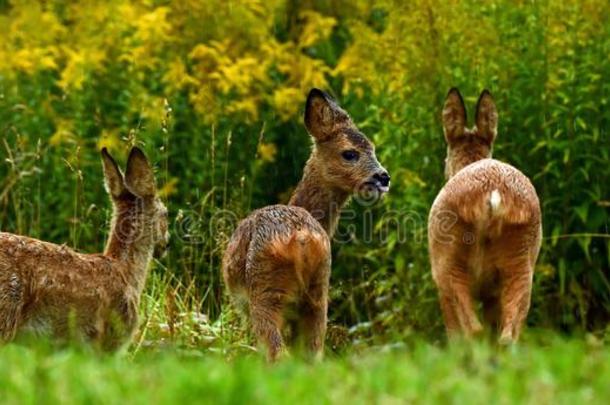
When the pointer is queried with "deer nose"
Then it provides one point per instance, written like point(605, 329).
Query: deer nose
point(383, 178)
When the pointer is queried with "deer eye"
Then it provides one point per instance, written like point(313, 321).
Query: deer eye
point(350, 155)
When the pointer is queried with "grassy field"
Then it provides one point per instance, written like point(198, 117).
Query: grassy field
point(545, 370)
point(214, 92)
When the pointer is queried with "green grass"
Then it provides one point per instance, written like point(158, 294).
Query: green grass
point(554, 371)
point(548, 81)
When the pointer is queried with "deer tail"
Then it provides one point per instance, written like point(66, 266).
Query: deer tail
point(496, 212)
point(495, 204)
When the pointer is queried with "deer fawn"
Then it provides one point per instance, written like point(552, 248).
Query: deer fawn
point(47, 289)
point(277, 263)
point(484, 229)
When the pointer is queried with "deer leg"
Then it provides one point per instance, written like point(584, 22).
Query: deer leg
point(515, 301)
point(491, 313)
point(266, 315)
point(452, 324)
point(313, 318)
point(8, 323)
point(11, 296)
point(456, 295)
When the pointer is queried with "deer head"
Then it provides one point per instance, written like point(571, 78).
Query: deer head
point(139, 214)
point(344, 157)
point(465, 146)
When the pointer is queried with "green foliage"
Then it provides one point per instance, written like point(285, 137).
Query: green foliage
point(230, 139)
point(554, 372)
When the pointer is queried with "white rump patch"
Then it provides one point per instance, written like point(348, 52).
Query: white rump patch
point(495, 199)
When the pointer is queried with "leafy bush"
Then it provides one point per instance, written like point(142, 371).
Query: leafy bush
point(215, 90)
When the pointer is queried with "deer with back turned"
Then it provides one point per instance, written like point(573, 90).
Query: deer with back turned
point(277, 263)
point(484, 228)
point(51, 290)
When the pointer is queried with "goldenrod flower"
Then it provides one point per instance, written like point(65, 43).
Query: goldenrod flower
point(267, 152)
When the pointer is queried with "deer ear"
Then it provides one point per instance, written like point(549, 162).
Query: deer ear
point(323, 115)
point(113, 178)
point(454, 115)
point(139, 177)
point(486, 118)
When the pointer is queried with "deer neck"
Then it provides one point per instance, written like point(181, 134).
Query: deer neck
point(322, 201)
point(460, 158)
point(131, 242)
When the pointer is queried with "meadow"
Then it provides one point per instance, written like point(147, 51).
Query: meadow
point(548, 371)
point(214, 92)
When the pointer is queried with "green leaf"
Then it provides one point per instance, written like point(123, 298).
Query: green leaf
point(555, 234)
point(582, 211)
point(584, 243)
point(562, 276)
point(399, 263)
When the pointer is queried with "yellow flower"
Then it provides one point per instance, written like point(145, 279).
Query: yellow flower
point(153, 26)
point(80, 63)
point(287, 102)
point(247, 106)
point(211, 55)
point(169, 188)
point(205, 103)
point(63, 133)
point(73, 74)
point(150, 108)
point(317, 28)
point(176, 78)
point(302, 71)
point(24, 61)
point(241, 75)
point(109, 139)
point(267, 152)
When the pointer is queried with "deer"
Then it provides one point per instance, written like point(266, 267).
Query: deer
point(277, 263)
point(484, 229)
point(52, 291)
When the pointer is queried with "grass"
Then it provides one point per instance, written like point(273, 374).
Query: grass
point(181, 356)
point(550, 370)
point(191, 347)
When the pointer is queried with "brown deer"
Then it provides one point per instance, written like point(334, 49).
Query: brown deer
point(484, 229)
point(277, 263)
point(51, 290)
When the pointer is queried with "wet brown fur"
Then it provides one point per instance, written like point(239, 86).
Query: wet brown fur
point(51, 290)
point(277, 263)
point(479, 251)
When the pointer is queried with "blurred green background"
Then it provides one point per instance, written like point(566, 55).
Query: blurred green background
point(214, 91)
